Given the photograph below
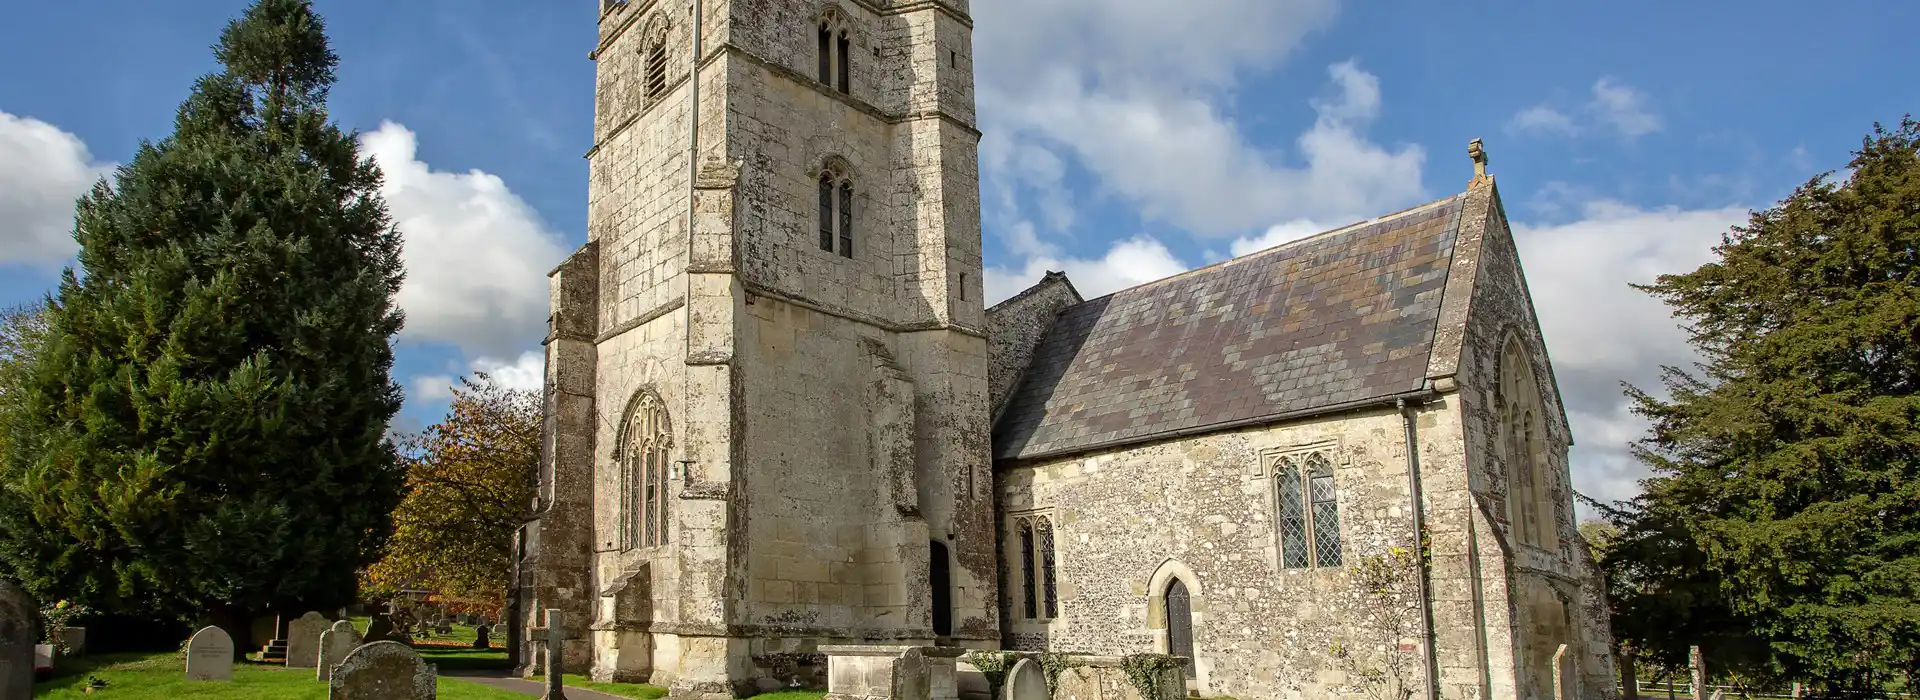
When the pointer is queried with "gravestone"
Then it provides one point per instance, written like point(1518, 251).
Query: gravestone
point(1027, 681)
point(303, 639)
point(481, 636)
point(19, 622)
point(380, 629)
point(335, 644)
point(210, 655)
point(555, 635)
point(382, 671)
point(445, 627)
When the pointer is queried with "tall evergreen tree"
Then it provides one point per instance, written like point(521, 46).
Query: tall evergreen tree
point(1785, 506)
point(205, 431)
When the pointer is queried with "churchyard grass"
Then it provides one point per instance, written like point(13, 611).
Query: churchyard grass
point(641, 691)
point(161, 676)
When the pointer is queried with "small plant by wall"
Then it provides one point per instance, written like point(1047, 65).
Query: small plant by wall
point(1151, 673)
point(994, 665)
point(1053, 664)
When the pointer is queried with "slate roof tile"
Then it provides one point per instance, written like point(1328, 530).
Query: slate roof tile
point(1345, 316)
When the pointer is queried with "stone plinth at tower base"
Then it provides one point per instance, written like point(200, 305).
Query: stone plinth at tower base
point(864, 672)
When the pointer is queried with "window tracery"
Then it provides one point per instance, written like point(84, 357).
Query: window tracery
point(835, 50)
point(1306, 510)
point(1039, 588)
point(645, 459)
point(1532, 511)
point(836, 209)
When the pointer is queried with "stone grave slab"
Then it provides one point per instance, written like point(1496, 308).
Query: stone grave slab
point(303, 639)
point(1027, 681)
point(382, 671)
point(335, 644)
point(210, 655)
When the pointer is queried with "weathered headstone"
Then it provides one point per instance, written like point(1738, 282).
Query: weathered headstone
point(303, 639)
point(481, 637)
point(1026, 681)
point(555, 635)
point(19, 623)
point(445, 627)
point(380, 629)
point(335, 644)
point(210, 655)
point(382, 671)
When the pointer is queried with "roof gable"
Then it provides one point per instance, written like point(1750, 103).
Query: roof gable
point(1331, 320)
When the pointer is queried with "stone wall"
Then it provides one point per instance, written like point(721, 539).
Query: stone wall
point(1556, 596)
point(1016, 326)
point(1202, 510)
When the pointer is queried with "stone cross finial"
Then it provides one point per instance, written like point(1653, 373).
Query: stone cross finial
point(555, 635)
point(1478, 152)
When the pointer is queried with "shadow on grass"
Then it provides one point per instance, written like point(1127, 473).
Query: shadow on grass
point(449, 658)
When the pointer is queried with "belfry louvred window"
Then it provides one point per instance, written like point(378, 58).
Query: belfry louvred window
point(644, 474)
point(826, 53)
point(844, 52)
point(1307, 511)
point(657, 68)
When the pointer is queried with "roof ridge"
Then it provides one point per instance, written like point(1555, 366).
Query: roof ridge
point(1289, 244)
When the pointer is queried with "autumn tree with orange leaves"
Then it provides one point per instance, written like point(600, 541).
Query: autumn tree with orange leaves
point(470, 484)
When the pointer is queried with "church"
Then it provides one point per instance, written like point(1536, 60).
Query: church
point(780, 415)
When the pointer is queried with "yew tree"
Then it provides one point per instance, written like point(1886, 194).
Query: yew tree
point(202, 430)
point(470, 485)
point(1781, 528)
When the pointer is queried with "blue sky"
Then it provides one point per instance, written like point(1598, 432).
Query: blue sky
point(1126, 140)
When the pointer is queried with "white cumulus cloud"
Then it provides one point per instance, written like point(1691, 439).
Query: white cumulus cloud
point(525, 373)
point(1600, 332)
point(477, 255)
point(1614, 107)
point(43, 169)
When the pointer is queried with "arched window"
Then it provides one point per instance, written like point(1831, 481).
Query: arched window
point(1049, 595)
point(1532, 512)
point(644, 471)
point(1307, 508)
point(836, 51)
point(654, 59)
point(1026, 569)
point(1039, 590)
point(836, 211)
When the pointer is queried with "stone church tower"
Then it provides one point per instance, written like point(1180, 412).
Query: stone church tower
point(767, 414)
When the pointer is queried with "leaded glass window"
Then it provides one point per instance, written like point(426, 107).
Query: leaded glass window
point(846, 219)
point(826, 211)
point(1326, 511)
point(644, 473)
point(1044, 533)
point(1293, 515)
point(1026, 569)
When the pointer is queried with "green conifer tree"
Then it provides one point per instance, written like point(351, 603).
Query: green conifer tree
point(204, 431)
point(1782, 526)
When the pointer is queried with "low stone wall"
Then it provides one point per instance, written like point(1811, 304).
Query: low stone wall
point(1086, 677)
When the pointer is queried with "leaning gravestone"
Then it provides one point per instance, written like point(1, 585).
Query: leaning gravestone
point(382, 671)
point(335, 644)
point(19, 618)
point(303, 639)
point(1026, 681)
point(210, 655)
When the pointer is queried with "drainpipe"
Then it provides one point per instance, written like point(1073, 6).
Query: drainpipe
point(1428, 661)
point(693, 191)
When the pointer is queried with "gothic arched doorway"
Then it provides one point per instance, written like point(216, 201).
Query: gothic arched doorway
point(1180, 624)
point(940, 579)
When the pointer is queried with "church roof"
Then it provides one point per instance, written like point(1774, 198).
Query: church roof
point(1324, 322)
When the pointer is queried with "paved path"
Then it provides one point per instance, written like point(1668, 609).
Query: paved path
point(500, 679)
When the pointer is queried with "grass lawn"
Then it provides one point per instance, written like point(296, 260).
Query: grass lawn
point(162, 676)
